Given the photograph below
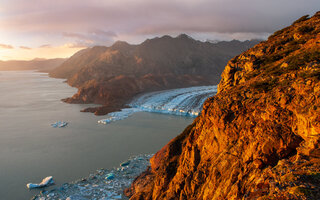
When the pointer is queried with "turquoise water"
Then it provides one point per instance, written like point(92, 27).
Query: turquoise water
point(30, 149)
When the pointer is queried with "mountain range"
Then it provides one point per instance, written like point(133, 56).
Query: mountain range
point(39, 64)
point(112, 76)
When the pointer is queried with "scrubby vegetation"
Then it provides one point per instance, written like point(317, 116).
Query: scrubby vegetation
point(287, 53)
point(302, 60)
point(305, 29)
point(301, 19)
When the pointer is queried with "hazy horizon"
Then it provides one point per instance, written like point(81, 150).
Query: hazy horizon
point(46, 29)
point(173, 36)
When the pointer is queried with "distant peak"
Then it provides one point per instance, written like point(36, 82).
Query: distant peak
point(184, 36)
point(39, 59)
point(121, 43)
point(166, 37)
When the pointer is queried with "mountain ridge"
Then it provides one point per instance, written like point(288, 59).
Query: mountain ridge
point(113, 75)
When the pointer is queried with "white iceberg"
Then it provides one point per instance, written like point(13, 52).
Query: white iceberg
point(59, 124)
point(110, 176)
point(45, 182)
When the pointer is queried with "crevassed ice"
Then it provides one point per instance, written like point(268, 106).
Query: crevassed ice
point(115, 116)
point(183, 101)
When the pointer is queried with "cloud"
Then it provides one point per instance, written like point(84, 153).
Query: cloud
point(75, 45)
point(103, 33)
point(143, 17)
point(24, 47)
point(45, 46)
point(76, 24)
point(6, 46)
point(91, 38)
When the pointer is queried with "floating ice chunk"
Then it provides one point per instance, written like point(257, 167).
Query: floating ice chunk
point(63, 124)
point(125, 164)
point(59, 124)
point(45, 182)
point(110, 176)
point(54, 125)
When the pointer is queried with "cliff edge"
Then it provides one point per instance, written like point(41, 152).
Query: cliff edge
point(258, 138)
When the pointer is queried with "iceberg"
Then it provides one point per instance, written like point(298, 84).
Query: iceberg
point(45, 182)
point(110, 176)
point(59, 124)
point(124, 164)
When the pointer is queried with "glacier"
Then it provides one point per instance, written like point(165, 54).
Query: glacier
point(115, 116)
point(183, 101)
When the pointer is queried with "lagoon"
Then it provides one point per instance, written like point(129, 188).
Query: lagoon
point(30, 149)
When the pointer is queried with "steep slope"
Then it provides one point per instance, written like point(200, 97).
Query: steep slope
point(82, 58)
point(113, 75)
point(44, 65)
point(258, 138)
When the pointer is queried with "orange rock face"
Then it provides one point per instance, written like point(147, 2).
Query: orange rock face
point(258, 138)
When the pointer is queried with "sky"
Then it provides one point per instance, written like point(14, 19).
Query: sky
point(59, 28)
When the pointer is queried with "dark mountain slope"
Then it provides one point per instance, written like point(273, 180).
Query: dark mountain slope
point(113, 75)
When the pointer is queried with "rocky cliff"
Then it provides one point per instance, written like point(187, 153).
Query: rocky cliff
point(258, 138)
point(111, 76)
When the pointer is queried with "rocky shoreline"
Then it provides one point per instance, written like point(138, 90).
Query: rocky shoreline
point(103, 184)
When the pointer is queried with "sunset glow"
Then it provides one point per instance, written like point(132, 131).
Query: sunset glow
point(48, 29)
point(21, 53)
